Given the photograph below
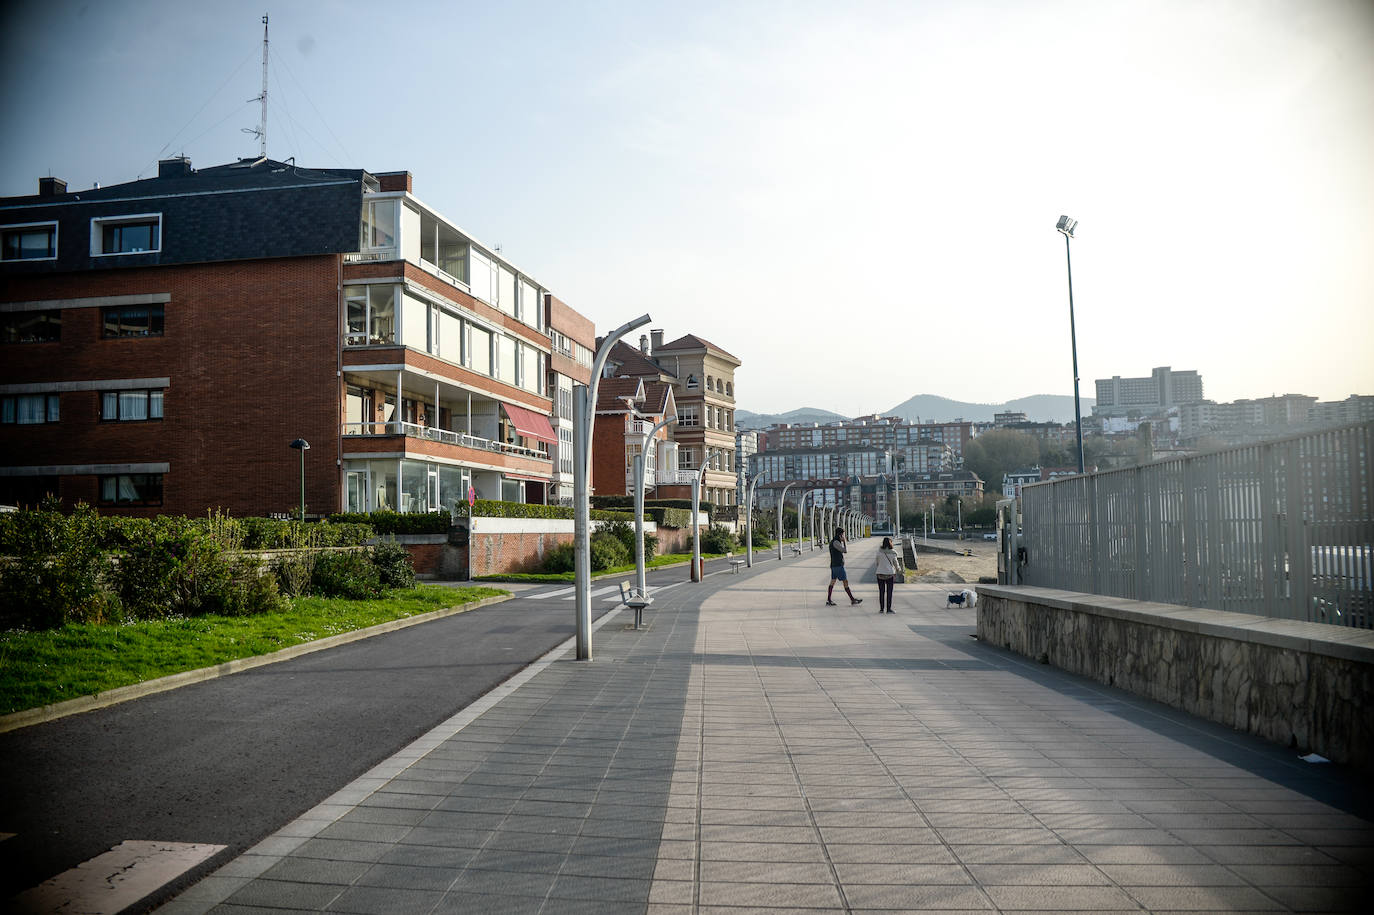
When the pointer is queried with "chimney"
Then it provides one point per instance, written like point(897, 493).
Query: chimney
point(51, 187)
point(657, 339)
point(395, 181)
point(644, 344)
point(177, 167)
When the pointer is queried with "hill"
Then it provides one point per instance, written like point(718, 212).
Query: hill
point(930, 408)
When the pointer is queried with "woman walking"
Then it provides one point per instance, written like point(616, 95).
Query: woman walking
point(889, 564)
point(837, 573)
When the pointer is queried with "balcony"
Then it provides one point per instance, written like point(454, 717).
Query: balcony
point(444, 436)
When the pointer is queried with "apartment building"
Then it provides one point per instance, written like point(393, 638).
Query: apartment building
point(167, 340)
point(882, 432)
point(1165, 388)
point(702, 376)
point(572, 339)
point(627, 409)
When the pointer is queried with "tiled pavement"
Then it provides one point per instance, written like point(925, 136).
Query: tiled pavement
point(755, 750)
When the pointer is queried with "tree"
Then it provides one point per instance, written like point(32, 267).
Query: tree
point(1000, 451)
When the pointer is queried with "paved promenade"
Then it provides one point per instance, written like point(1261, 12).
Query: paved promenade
point(755, 750)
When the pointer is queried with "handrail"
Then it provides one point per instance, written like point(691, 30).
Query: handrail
point(434, 434)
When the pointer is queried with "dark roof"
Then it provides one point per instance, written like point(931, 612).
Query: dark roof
point(610, 394)
point(631, 362)
point(243, 210)
point(692, 341)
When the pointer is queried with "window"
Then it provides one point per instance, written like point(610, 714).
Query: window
point(141, 234)
point(688, 416)
point(371, 315)
point(130, 406)
point(29, 242)
point(31, 327)
point(505, 360)
point(133, 321)
point(379, 225)
point(131, 489)
point(30, 409)
point(479, 353)
point(692, 382)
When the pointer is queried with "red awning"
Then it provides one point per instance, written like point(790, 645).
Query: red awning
point(530, 424)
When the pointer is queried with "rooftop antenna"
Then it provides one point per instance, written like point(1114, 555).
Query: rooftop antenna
point(261, 130)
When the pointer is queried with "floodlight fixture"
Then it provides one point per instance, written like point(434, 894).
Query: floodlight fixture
point(1066, 225)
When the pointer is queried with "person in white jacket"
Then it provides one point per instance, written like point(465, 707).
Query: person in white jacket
point(889, 564)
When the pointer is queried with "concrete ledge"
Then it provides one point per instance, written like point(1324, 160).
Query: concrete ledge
point(1308, 685)
point(43, 713)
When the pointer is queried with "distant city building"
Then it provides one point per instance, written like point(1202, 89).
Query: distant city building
point(746, 445)
point(1013, 481)
point(1008, 418)
point(1354, 409)
point(1165, 388)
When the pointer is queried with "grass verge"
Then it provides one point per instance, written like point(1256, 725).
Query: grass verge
point(41, 668)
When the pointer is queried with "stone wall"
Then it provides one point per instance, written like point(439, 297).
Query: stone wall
point(1305, 685)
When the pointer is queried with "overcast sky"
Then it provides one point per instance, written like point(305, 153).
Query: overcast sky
point(857, 199)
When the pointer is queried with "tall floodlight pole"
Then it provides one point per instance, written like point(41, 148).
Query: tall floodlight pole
point(782, 503)
point(1066, 227)
point(639, 497)
point(749, 518)
point(584, 415)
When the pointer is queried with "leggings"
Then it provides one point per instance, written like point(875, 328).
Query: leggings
point(885, 583)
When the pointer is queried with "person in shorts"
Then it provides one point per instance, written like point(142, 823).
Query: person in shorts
point(838, 548)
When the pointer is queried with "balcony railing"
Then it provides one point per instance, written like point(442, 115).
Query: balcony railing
point(415, 430)
point(375, 254)
point(366, 339)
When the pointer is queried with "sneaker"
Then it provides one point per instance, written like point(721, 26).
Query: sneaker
point(855, 600)
point(891, 611)
point(830, 603)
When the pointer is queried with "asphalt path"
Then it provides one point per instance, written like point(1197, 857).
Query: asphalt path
point(231, 760)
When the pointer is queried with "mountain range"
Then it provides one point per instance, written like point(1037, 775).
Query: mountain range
point(1040, 408)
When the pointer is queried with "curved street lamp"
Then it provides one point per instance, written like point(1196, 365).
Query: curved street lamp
point(639, 495)
point(584, 419)
point(782, 502)
point(749, 518)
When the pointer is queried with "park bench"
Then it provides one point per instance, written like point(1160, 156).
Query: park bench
point(735, 565)
point(635, 599)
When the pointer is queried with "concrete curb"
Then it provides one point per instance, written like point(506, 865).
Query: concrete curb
point(45, 713)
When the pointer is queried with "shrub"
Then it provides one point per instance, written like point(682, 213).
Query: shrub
point(559, 559)
point(607, 552)
point(717, 539)
point(294, 572)
point(389, 522)
point(58, 571)
point(249, 592)
point(349, 573)
point(394, 567)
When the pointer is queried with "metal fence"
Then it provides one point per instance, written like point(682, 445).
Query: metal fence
point(1282, 528)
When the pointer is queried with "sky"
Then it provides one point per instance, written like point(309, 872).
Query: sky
point(857, 200)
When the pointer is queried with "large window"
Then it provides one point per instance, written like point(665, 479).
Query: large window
point(505, 362)
point(29, 242)
point(688, 416)
point(133, 321)
point(131, 489)
point(130, 406)
point(371, 315)
point(141, 234)
point(480, 351)
point(31, 326)
point(28, 409)
point(379, 225)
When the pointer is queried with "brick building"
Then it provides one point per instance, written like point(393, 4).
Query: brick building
point(626, 409)
point(166, 340)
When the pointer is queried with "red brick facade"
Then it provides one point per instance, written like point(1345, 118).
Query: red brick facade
point(251, 353)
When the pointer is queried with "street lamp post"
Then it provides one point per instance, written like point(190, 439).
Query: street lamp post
point(1066, 227)
point(302, 446)
point(639, 498)
point(584, 416)
point(749, 518)
point(782, 502)
point(696, 518)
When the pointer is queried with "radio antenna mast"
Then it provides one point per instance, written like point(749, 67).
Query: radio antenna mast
point(261, 130)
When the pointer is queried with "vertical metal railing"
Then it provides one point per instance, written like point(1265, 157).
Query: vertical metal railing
point(1282, 528)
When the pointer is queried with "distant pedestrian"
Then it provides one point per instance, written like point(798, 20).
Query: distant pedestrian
point(889, 564)
point(837, 550)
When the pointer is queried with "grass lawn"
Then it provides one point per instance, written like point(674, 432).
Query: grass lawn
point(40, 668)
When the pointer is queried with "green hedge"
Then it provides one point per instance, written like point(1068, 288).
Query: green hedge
point(386, 522)
point(491, 508)
point(670, 517)
point(624, 502)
